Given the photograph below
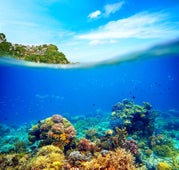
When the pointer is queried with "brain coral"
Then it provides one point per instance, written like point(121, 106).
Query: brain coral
point(55, 130)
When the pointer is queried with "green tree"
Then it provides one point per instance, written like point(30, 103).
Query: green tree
point(43, 53)
point(2, 37)
point(19, 51)
point(5, 48)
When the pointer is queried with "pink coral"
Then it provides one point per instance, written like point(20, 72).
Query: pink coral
point(44, 127)
point(70, 132)
point(58, 128)
point(57, 118)
point(131, 145)
point(85, 145)
point(50, 134)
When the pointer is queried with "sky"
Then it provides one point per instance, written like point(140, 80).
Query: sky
point(90, 30)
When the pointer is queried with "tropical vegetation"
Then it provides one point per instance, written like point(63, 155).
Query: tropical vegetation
point(41, 53)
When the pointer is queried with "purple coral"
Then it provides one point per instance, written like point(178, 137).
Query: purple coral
point(131, 145)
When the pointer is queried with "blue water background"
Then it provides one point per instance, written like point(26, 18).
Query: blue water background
point(28, 93)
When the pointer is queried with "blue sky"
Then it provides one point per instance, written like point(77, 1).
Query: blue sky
point(90, 30)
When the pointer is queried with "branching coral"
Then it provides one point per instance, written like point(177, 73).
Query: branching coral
point(120, 137)
point(13, 161)
point(48, 157)
point(119, 159)
point(131, 145)
point(111, 142)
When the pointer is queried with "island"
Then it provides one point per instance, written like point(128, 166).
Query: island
point(35, 53)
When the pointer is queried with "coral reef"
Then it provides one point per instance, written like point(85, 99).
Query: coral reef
point(163, 146)
point(131, 145)
point(91, 134)
point(89, 126)
point(119, 159)
point(77, 159)
point(13, 161)
point(163, 166)
point(119, 139)
point(111, 142)
point(163, 150)
point(137, 119)
point(20, 147)
point(48, 157)
point(55, 130)
point(13, 138)
point(85, 145)
point(53, 143)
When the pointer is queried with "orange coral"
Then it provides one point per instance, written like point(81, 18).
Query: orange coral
point(119, 159)
point(63, 137)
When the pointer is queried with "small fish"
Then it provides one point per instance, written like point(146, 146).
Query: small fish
point(133, 97)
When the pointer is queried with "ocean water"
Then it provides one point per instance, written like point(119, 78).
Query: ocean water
point(31, 92)
point(84, 94)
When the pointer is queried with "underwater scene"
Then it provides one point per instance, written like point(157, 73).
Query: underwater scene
point(119, 115)
point(89, 85)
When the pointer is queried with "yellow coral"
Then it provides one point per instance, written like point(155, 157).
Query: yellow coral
point(63, 138)
point(57, 165)
point(48, 121)
point(119, 159)
point(35, 127)
point(142, 115)
point(48, 157)
point(66, 123)
point(164, 166)
point(109, 132)
point(127, 121)
point(56, 136)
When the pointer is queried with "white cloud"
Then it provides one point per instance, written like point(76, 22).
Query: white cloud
point(112, 8)
point(101, 42)
point(94, 14)
point(108, 10)
point(142, 26)
point(97, 42)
